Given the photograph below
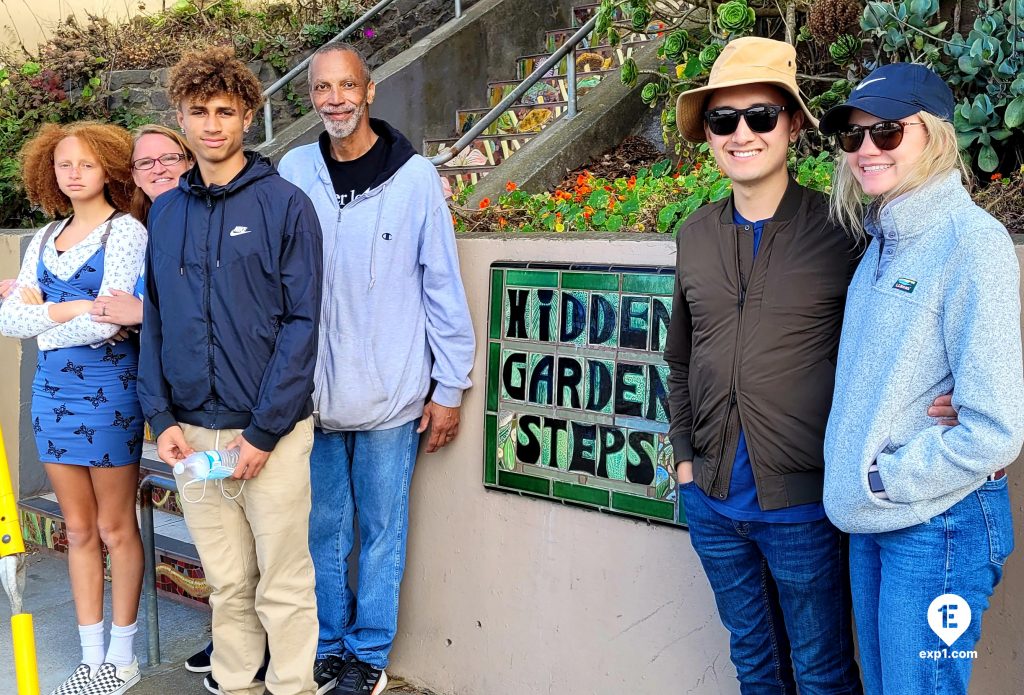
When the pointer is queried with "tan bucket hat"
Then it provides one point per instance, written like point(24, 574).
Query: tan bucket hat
point(748, 60)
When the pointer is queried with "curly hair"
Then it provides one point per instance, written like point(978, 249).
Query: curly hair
point(203, 75)
point(140, 201)
point(112, 146)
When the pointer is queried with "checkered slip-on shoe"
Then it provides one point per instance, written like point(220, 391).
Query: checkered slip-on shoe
point(113, 680)
point(76, 682)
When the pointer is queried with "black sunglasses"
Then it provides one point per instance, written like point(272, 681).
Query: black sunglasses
point(887, 135)
point(760, 119)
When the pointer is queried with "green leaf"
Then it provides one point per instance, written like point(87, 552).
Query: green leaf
point(598, 199)
point(1014, 116)
point(988, 160)
point(598, 218)
point(614, 223)
point(659, 169)
point(719, 190)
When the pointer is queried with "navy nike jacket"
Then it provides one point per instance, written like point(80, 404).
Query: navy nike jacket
point(232, 305)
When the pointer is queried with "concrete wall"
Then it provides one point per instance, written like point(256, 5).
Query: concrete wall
point(420, 89)
point(33, 22)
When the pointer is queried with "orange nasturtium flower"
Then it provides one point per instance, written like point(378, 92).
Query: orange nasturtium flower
point(502, 222)
point(485, 203)
point(996, 176)
point(510, 186)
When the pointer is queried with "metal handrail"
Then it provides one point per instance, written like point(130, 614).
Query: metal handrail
point(268, 117)
point(447, 153)
point(149, 551)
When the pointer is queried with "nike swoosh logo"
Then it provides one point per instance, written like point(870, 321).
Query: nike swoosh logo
point(862, 85)
point(236, 232)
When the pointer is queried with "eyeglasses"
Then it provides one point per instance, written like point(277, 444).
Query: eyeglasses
point(887, 135)
point(167, 160)
point(760, 119)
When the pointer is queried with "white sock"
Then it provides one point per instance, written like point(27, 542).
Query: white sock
point(92, 644)
point(122, 644)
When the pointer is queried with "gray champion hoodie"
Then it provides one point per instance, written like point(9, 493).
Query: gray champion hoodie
point(943, 315)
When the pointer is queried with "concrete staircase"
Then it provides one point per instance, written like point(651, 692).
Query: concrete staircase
point(541, 106)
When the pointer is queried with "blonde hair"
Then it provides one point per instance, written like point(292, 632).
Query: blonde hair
point(941, 155)
point(140, 201)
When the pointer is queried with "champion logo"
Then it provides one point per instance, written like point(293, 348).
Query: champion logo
point(386, 236)
point(864, 84)
point(239, 231)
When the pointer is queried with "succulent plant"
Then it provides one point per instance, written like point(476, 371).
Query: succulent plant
point(650, 93)
point(708, 55)
point(628, 72)
point(845, 49)
point(640, 19)
point(735, 17)
point(827, 20)
point(676, 44)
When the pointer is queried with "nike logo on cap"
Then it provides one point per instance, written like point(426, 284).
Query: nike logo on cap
point(862, 85)
point(239, 230)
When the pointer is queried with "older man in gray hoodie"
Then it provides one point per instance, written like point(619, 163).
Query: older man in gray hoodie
point(396, 348)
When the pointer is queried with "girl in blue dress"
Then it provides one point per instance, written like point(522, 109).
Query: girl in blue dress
point(85, 413)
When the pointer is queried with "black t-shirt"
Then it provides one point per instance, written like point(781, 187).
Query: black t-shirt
point(354, 177)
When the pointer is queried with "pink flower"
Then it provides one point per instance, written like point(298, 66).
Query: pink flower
point(369, 33)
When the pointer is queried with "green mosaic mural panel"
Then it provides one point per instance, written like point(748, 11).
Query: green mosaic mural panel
point(577, 390)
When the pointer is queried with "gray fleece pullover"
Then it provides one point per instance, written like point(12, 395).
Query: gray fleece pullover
point(943, 315)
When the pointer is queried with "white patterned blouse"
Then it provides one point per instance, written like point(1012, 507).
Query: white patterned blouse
point(124, 257)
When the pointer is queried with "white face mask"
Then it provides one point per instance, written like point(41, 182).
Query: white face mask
point(204, 466)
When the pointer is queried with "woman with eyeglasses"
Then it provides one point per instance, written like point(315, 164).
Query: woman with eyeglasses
point(932, 308)
point(159, 157)
point(85, 413)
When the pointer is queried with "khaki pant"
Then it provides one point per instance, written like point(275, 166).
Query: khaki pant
point(255, 551)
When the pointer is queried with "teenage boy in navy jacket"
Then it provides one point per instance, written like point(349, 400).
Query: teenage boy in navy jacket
point(229, 343)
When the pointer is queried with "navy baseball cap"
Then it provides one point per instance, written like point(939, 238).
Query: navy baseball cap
point(892, 92)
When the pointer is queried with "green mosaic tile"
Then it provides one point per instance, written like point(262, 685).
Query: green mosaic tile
point(581, 493)
point(497, 290)
point(656, 509)
point(525, 483)
point(491, 444)
point(590, 281)
point(532, 278)
point(494, 375)
point(647, 284)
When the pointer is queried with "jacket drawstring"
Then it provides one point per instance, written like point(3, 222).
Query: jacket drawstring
point(373, 243)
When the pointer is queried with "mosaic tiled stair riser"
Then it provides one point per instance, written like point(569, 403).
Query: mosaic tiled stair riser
point(577, 393)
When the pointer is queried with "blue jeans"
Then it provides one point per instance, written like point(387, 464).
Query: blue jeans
point(782, 592)
point(895, 577)
point(364, 475)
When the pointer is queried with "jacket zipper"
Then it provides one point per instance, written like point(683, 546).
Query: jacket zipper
point(207, 290)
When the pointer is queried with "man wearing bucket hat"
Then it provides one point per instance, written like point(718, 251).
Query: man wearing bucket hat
point(760, 284)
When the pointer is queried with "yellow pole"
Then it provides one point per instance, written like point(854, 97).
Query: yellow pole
point(25, 670)
point(11, 543)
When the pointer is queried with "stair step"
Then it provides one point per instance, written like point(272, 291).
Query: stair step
point(547, 89)
point(486, 150)
point(460, 177)
point(554, 38)
point(595, 58)
point(179, 572)
point(511, 121)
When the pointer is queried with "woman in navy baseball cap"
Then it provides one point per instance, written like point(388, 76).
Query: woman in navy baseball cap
point(932, 308)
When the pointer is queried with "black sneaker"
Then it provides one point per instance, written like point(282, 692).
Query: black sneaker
point(211, 685)
point(361, 679)
point(326, 672)
point(200, 661)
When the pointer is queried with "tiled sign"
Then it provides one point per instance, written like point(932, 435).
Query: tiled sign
point(577, 391)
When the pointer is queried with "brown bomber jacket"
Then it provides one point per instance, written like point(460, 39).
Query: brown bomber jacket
point(763, 358)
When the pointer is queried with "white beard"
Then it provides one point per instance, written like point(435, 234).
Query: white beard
point(341, 130)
